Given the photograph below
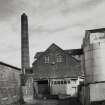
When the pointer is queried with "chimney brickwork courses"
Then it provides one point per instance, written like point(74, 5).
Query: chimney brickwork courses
point(25, 61)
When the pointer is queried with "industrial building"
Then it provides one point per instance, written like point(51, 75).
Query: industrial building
point(9, 84)
point(57, 71)
point(93, 90)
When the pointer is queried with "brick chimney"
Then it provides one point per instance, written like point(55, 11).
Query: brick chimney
point(25, 61)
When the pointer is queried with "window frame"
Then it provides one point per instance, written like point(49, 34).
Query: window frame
point(46, 59)
point(59, 58)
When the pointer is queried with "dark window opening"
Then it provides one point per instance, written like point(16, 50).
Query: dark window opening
point(55, 82)
point(58, 82)
point(74, 79)
point(69, 81)
point(43, 82)
point(61, 82)
point(65, 82)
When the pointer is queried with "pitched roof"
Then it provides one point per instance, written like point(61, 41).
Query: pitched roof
point(53, 45)
point(5, 64)
point(37, 55)
point(97, 30)
point(69, 51)
point(74, 51)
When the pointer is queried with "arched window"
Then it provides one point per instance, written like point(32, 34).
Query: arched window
point(59, 58)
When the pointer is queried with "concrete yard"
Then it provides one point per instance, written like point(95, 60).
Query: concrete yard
point(54, 102)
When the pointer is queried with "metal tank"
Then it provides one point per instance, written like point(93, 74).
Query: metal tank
point(94, 53)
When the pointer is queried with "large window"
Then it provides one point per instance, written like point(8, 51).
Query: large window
point(46, 59)
point(59, 58)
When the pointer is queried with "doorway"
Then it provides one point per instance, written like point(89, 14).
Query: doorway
point(43, 87)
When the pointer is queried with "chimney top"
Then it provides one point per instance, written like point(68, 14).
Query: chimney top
point(24, 14)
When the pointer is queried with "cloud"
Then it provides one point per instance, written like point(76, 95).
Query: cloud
point(8, 8)
point(55, 21)
point(50, 21)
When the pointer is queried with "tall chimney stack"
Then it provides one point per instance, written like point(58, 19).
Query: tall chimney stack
point(25, 61)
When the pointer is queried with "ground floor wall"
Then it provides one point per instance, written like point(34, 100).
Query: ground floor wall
point(41, 88)
point(92, 93)
point(28, 91)
point(58, 86)
point(64, 86)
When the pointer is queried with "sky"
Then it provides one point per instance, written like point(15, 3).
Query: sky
point(62, 22)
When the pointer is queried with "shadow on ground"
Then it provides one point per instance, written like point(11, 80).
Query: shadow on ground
point(68, 101)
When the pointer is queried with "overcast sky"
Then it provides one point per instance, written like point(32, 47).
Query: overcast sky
point(50, 21)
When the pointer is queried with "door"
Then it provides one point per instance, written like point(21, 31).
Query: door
point(43, 87)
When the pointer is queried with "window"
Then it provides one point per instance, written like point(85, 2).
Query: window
point(58, 82)
point(2, 75)
point(46, 59)
point(65, 82)
point(61, 82)
point(59, 58)
point(68, 81)
point(55, 82)
point(75, 88)
point(73, 81)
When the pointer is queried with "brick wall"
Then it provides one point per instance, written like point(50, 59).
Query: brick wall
point(9, 85)
point(69, 67)
point(28, 89)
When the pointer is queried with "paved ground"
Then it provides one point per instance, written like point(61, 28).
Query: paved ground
point(53, 102)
